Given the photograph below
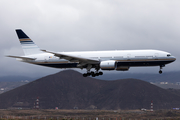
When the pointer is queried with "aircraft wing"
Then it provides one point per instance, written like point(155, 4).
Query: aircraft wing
point(73, 58)
point(25, 58)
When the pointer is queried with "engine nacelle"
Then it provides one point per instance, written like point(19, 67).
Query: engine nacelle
point(112, 65)
point(108, 65)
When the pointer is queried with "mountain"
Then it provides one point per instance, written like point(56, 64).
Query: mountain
point(68, 89)
point(171, 77)
point(15, 78)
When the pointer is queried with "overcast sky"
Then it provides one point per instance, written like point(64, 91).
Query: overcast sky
point(81, 25)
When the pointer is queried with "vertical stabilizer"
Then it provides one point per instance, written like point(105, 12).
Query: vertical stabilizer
point(28, 46)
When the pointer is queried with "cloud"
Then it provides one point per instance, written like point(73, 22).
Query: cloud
point(77, 25)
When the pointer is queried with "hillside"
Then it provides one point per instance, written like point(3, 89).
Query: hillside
point(171, 77)
point(68, 89)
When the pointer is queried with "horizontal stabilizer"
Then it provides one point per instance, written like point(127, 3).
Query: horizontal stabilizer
point(25, 58)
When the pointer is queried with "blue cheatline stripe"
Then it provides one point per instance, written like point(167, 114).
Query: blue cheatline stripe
point(63, 65)
point(143, 63)
point(27, 42)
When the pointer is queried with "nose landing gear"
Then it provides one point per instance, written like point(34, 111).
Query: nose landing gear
point(161, 66)
point(160, 71)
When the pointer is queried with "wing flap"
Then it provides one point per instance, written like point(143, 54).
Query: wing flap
point(73, 58)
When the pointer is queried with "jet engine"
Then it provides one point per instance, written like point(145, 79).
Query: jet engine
point(108, 65)
point(112, 65)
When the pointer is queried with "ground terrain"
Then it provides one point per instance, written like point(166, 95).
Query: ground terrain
point(90, 114)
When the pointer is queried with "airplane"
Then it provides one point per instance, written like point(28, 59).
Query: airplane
point(119, 60)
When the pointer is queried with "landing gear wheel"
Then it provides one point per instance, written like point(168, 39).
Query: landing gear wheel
point(160, 72)
point(100, 73)
point(84, 75)
point(93, 74)
point(88, 74)
point(97, 74)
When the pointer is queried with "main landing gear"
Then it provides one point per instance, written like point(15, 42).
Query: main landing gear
point(93, 74)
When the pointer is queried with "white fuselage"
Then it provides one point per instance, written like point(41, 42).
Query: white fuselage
point(120, 60)
point(123, 58)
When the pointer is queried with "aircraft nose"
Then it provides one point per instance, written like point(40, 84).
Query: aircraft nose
point(173, 58)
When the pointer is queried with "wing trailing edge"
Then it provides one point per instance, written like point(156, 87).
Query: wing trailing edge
point(73, 58)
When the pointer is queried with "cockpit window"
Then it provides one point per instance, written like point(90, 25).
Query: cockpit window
point(168, 55)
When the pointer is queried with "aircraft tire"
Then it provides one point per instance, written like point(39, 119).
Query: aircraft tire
point(84, 75)
point(93, 75)
point(92, 72)
point(88, 74)
point(100, 73)
point(97, 74)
